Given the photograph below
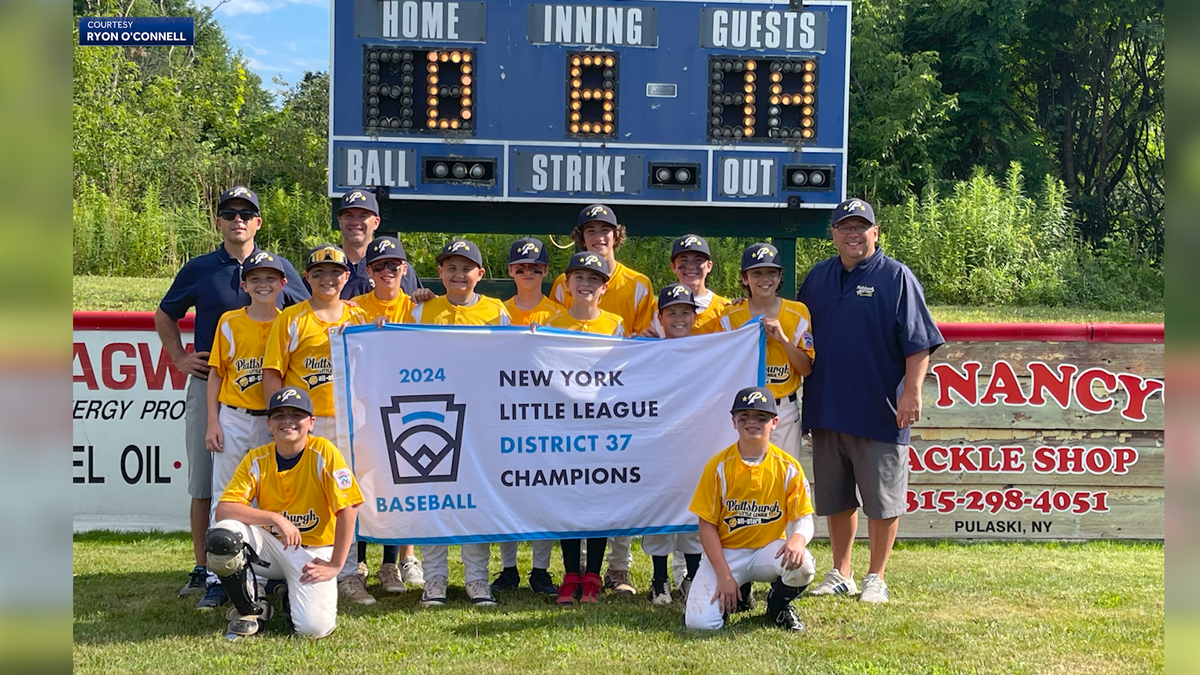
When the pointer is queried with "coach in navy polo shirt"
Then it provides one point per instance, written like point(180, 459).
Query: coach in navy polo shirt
point(212, 284)
point(358, 218)
point(873, 335)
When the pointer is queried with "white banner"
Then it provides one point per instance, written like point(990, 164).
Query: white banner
point(491, 434)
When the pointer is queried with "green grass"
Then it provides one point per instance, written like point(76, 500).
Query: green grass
point(956, 608)
point(137, 294)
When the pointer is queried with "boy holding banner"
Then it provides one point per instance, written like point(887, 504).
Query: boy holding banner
point(677, 312)
point(460, 266)
point(755, 521)
point(587, 279)
point(528, 264)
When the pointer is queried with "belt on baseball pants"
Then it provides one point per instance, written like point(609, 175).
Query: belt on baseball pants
point(790, 397)
point(247, 411)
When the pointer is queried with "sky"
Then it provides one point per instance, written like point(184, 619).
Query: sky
point(279, 38)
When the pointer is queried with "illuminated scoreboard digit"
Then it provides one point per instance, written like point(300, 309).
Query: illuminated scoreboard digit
point(729, 104)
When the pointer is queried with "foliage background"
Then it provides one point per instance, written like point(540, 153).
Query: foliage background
point(1014, 150)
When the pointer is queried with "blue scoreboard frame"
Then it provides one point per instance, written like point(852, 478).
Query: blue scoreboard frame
point(739, 103)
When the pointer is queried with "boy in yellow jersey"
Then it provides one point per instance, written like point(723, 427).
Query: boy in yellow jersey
point(460, 266)
point(528, 264)
point(755, 521)
point(386, 265)
point(587, 282)
point(789, 337)
point(288, 515)
point(630, 295)
point(676, 319)
point(691, 262)
point(298, 355)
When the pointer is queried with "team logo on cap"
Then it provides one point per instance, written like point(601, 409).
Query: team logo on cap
point(528, 248)
point(288, 394)
point(761, 253)
point(692, 241)
point(355, 196)
point(591, 260)
point(856, 205)
point(678, 291)
point(239, 192)
point(383, 246)
point(424, 438)
point(459, 246)
point(597, 210)
point(261, 256)
point(753, 397)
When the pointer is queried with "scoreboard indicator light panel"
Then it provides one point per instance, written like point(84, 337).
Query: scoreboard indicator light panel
point(732, 104)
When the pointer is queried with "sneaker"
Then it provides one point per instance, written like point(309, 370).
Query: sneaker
point(480, 593)
point(617, 581)
point(571, 587)
point(780, 610)
point(214, 597)
point(411, 572)
point(835, 584)
point(435, 592)
point(746, 603)
point(361, 570)
point(787, 619)
point(591, 588)
point(874, 589)
point(354, 589)
point(197, 581)
point(541, 582)
point(389, 578)
point(509, 579)
point(660, 592)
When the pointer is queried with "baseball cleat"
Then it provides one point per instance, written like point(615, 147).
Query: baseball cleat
point(835, 584)
point(779, 607)
point(435, 592)
point(542, 583)
point(874, 590)
point(509, 579)
point(660, 592)
point(214, 596)
point(480, 593)
point(197, 580)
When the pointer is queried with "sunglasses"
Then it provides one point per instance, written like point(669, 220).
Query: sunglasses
point(390, 265)
point(330, 255)
point(232, 214)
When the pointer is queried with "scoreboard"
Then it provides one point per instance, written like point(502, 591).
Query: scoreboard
point(668, 103)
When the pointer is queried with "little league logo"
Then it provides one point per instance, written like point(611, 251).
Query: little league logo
point(591, 261)
point(355, 196)
point(383, 246)
point(679, 290)
point(261, 256)
point(692, 241)
point(424, 438)
point(459, 246)
point(856, 205)
point(753, 397)
point(239, 192)
point(526, 249)
point(597, 211)
point(761, 253)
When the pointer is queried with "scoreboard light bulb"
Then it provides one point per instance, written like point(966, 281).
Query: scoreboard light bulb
point(786, 100)
point(465, 114)
point(807, 122)
point(576, 83)
point(807, 133)
point(777, 89)
point(809, 77)
point(598, 94)
point(431, 113)
point(575, 60)
point(433, 101)
point(663, 175)
point(373, 67)
point(455, 91)
point(372, 122)
point(373, 78)
point(751, 65)
point(610, 61)
point(477, 171)
point(444, 57)
point(748, 121)
point(576, 72)
point(466, 57)
point(433, 90)
point(807, 111)
point(373, 55)
point(608, 128)
point(455, 57)
point(608, 105)
point(453, 124)
point(465, 79)
point(749, 131)
point(575, 94)
point(818, 178)
point(466, 69)
point(799, 178)
point(608, 117)
point(587, 127)
point(576, 105)
point(459, 170)
point(608, 95)
point(777, 77)
point(683, 176)
point(748, 110)
point(444, 124)
point(574, 128)
point(749, 88)
point(810, 66)
point(808, 100)
point(466, 102)
point(808, 89)
point(587, 94)
point(466, 91)
point(575, 117)
point(431, 79)
point(432, 124)
point(775, 100)
point(587, 60)
point(432, 56)
point(749, 98)
point(749, 77)
point(431, 68)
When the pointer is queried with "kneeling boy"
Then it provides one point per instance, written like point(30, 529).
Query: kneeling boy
point(301, 530)
point(750, 496)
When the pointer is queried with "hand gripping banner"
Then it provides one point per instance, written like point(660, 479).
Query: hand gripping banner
point(461, 435)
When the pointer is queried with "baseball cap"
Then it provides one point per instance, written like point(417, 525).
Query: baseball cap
point(359, 199)
point(326, 253)
point(528, 250)
point(754, 398)
point(384, 248)
point(851, 208)
point(463, 248)
point(598, 212)
point(675, 294)
point(760, 255)
point(263, 260)
point(690, 242)
point(291, 397)
point(586, 260)
point(238, 192)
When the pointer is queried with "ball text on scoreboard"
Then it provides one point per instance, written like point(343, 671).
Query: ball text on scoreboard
point(726, 104)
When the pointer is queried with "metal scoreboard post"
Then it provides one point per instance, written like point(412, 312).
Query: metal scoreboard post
point(728, 118)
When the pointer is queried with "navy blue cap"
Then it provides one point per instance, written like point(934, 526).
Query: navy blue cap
point(851, 208)
point(263, 260)
point(754, 398)
point(586, 260)
point(461, 247)
point(238, 192)
point(690, 242)
point(359, 199)
point(384, 248)
point(326, 253)
point(598, 212)
point(290, 397)
point(760, 255)
point(528, 250)
point(675, 294)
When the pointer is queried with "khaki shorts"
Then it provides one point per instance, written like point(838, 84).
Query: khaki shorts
point(195, 423)
point(842, 463)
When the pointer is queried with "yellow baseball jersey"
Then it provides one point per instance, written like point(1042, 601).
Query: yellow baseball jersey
point(309, 494)
point(393, 310)
point(794, 318)
point(539, 315)
point(299, 349)
point(629, 296)
point(751, 504)
point(439, 312)
point(708, 316)
point(605, 324)
point(237, 356)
